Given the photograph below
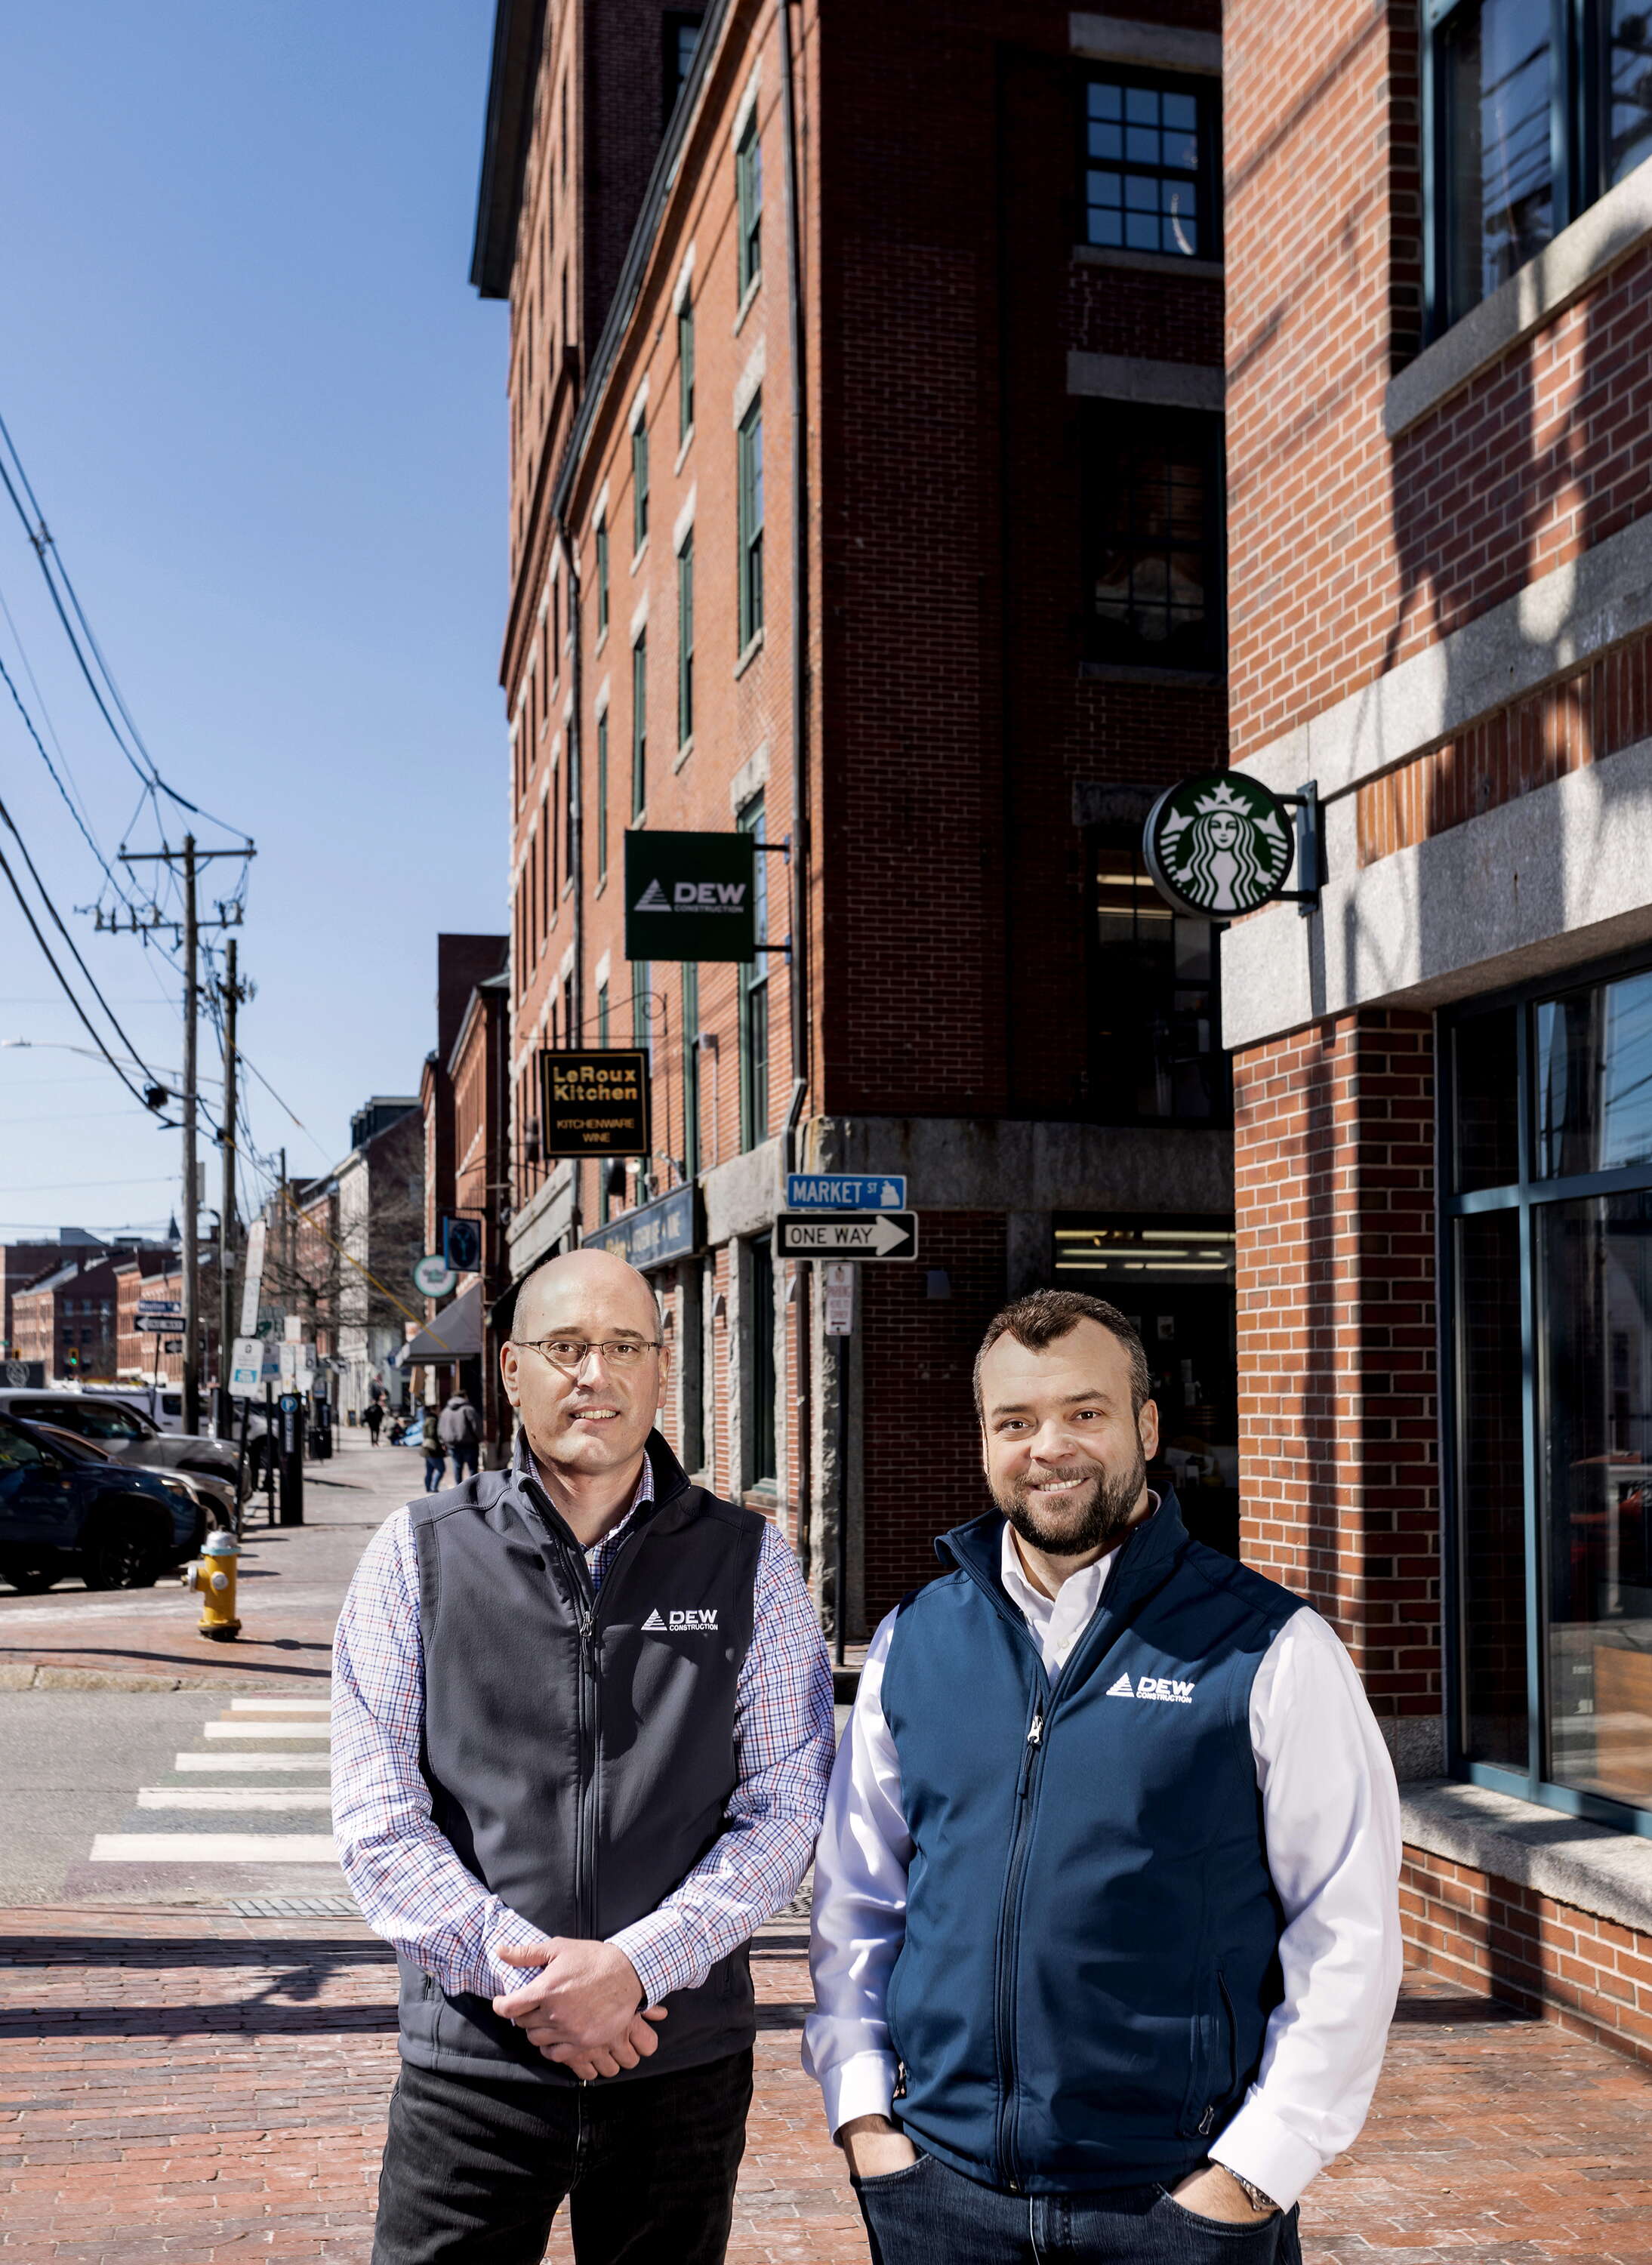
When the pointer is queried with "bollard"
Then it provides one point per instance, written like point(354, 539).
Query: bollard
point(213, 1575)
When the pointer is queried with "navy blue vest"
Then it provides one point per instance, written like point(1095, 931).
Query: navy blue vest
point(1091, 1952)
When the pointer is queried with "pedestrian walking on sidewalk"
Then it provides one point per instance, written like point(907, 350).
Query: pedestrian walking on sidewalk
point(1106, 1930)
point(435, 1453)
point(372, 1417)
point(460, 1431)
point(582, 1732)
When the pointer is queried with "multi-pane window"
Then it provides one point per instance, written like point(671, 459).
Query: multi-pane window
point(1150, 166)
point(681, 32)
point(639, 725)
point(602, 796)
point(1152, 536)
point(685, 641)
point(1549, 1275)
point(754, 998)
point(639, 483)
point(750, 501)
point(748, 189)
point(1533, 112)
point(604, 1197)
point(602, 579)
point(1154, 1030)
point(685, 370)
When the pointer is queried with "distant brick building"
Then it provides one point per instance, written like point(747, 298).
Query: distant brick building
point(23, 1263)
point(866, 494)
point(66, 1320)
point(1438, 234)
point(143, 1356)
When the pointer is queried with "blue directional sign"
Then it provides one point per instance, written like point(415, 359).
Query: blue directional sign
point(846, 1191)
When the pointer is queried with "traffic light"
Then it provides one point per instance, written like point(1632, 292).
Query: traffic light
point(71, 1359)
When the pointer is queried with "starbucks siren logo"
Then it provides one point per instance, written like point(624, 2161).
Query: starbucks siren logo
point(1219, 846)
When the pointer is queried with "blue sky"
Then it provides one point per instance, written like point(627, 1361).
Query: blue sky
point(263, 413)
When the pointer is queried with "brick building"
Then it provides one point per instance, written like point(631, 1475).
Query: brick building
point(23, 1263)
point(1438, 258)
point(866, 495)
point(142, 1355)
point(66, 1320)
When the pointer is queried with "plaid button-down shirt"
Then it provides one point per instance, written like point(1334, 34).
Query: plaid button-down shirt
point(413, 1888)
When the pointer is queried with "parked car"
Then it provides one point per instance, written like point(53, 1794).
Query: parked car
point(130, 1436)
point(216, 1497)
point(66, 1510)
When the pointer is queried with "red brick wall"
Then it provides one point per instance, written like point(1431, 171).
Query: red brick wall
point(923, 1462)
point(1596, 713)
point(1586, 1973)
point(1334, 1194)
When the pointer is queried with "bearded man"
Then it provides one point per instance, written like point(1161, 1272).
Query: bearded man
point(1106, 1926)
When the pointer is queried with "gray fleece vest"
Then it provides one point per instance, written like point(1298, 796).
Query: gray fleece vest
point(580, 1752)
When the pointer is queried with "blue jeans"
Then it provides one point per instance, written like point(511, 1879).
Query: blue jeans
point(464, 1463)
point(435, 1470)
point(931, 2215)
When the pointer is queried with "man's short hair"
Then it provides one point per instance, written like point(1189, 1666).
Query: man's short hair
point(1039, 1319)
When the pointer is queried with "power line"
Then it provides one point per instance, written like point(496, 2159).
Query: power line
point(28, 725)
point(11, 824)
point(68, 991)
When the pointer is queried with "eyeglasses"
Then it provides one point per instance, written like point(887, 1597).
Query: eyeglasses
point(570, 1354)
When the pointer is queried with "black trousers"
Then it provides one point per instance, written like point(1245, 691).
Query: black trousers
point(475, 2170)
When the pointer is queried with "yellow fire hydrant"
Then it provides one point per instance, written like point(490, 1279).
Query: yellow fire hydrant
point(213, 1573)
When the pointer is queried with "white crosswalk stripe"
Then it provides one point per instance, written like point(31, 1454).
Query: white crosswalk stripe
point(239, 1762)
point(233, 1796)
point(269, 1731)
point(281, 1705)
point(213, 1848)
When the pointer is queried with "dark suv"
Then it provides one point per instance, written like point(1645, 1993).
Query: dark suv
point(125, 1431)
point(66, 1512)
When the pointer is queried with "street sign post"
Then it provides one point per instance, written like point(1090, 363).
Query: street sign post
point(837, 1298)
point(691, 896)
point(593, 1101)
point(254, 1361)
point(252, 1277)
point(160, 1325)
point(846, 1191)
point(846, 1235)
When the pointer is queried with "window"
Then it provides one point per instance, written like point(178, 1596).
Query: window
point(555, 632)
point(1151, 166)
point(763, 1462)
point(685, 371)
point(639, 727)
point(603, 1161)
point(750, 445)
point(1548, 1245)
point(639, 485)
point(1525, 130)
point(685, 641)
point(602, 796)
point(682, 37)
point(1155, 1053)
point(1152, 487)
point(748, 189)
point(602, 579)
point(691, 1068)
point(754, 998)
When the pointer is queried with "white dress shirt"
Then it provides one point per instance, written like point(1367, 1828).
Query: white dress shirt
point(1331, 1825)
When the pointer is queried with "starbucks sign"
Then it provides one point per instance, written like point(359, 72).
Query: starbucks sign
point(1220, 845)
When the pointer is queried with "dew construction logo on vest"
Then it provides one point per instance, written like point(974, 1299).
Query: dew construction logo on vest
point(1219, 847)
point(691, 896)
point(681, 1623)
point(1158, 1688)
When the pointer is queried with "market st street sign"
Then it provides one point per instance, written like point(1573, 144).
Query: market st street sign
point(593, 1101)
point(1223, 845)
point(691, 896)
point(847, 1234)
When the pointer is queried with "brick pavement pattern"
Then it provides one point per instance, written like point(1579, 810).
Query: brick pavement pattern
point(201, 2088)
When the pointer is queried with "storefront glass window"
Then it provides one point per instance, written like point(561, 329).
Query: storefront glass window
point(1550, 1280)
point(1156, 1044)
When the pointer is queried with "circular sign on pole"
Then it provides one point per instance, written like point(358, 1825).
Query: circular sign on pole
point(1219, 846)
point(433, 1276)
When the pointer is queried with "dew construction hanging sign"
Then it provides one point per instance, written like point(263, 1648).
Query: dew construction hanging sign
point(691, 896)
point(593, 1102)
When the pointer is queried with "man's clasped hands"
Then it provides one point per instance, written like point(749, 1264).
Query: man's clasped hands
point(584, 2008)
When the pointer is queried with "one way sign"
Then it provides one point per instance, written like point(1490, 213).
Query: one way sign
point(864, 1234)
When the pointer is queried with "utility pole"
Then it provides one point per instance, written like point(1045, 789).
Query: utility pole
point(191, 859)
point(232, 992)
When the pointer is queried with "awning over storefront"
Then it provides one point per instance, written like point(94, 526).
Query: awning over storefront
point(454, 1335)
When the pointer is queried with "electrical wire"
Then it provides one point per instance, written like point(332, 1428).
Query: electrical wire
point(68, 989)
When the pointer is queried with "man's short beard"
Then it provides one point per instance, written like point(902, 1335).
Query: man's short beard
point(1103, 1515)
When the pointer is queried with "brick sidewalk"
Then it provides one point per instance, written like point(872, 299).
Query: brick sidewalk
point(202, 2088)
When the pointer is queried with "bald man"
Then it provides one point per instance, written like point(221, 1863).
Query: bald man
point(582, 1735)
